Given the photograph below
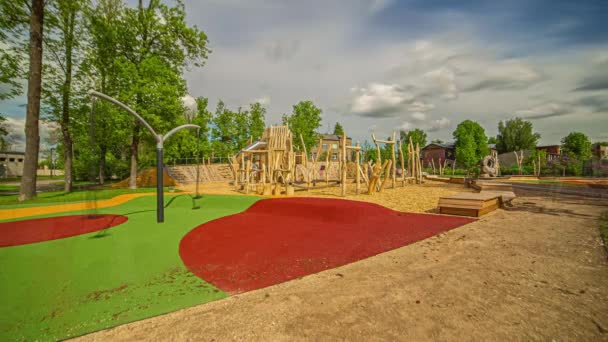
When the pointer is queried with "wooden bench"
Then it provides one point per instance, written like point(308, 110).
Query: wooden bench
point(470, 204)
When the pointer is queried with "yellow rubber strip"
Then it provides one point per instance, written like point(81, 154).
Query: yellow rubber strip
point(8, 214)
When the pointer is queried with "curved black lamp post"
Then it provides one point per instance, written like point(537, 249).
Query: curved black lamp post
point(160, 208)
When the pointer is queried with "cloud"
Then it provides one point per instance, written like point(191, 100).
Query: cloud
point(16, 132)
point(282, 50)
point(506, 75)
point(445, 80)
point(380, 100)
point(543, 111)
point(405, 126)
point(418, 106)
point(418, 116)
point(439, 124)
point(379, 5)
point(597, 80)
point(264, 100)
point(597, 103)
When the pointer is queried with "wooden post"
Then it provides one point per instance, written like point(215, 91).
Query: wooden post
point(327, 167)
point(402, 162)
point(343, 176)
point(433, 165)
point(418, 163)
point(358, 168)
point(387, 174)
point(394, 163)
point(378, 159)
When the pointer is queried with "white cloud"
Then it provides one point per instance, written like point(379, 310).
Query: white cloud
point(16, 132)
point(380, 100)
point(264, 100)
point(418, 116)
point(545, 110)
point(405, 126)
point(419, 106)
point(439, 124)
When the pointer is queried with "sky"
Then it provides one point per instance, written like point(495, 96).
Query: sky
point(382, 65)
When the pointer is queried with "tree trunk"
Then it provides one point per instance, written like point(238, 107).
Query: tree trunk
point(34, 87)
point(134, 146)
point(65, 105)
point(102, 164)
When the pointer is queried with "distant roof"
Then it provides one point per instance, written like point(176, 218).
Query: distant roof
point(332, 137)
point(442, 145)
point(544, 146)
point(12, 152)
point(492, 146)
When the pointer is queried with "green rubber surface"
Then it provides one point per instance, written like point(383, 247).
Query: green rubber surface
point(64, 288)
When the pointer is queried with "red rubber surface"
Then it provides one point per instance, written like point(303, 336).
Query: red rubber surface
point(52, 228)
point(276, 240)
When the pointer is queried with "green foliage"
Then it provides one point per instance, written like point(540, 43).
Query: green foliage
point(417, 135)
point(256, 120)
point(437, 141)
point(305, 119)
point(14, 35)
point(492, 140)
point(516, 135)
point(338, 129)
point(3, 134)
point(471, 143)
point(368, 152)
point(577, 145)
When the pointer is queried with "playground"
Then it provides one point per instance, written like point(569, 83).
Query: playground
point(118, 265)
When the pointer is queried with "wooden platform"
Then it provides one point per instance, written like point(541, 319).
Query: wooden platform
point(470, 204)
point(492, 186)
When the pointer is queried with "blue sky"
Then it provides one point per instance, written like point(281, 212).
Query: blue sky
point(379, 65)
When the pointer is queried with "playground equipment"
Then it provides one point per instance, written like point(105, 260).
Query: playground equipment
point(270, 166)
point(160, 139)
point(377, 182)
point(490, 166)
point(266, 166)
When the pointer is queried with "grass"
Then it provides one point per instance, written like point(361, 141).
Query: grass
point(75, 196)
point(604, 228)
point(4, 187)
point(63, 288)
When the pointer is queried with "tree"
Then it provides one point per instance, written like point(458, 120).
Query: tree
point(3, 134)
point(471, 143)
point(437, 141)
point(155, 44)
point(417, 135)
point(492, 140)
point(63, 43)
point(577, 145)
point(516, 135)
point(305, 120)
point(338, 129)
point(34, 87)
point(257, 118)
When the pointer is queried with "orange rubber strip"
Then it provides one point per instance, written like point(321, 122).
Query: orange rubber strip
point(8, 214)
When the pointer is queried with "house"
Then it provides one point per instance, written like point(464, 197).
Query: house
point(600, 151)
point(552, 151)
point(438, 152)
point(11, 164)
point(331, 144)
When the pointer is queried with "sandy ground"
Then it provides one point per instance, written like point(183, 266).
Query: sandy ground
point(536, 271)
point(412, 198)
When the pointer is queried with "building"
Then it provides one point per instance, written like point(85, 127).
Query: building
point(11, 164)
point(331, 144)
point(552, 151)
point(438, 152)
point(600, 151)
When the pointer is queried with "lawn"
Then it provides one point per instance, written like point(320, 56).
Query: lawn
point(56, 197)
point(11, 188)
point(63, 288)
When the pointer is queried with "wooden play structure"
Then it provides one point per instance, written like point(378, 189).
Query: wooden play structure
point(383, 172)
point(271, 166)
point(266, 166)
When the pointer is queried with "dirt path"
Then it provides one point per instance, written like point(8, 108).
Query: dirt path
point(535, 272)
